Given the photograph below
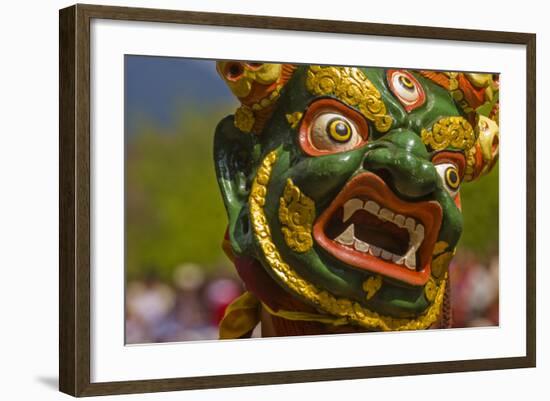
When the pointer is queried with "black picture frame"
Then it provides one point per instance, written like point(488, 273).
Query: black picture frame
point(74, 199)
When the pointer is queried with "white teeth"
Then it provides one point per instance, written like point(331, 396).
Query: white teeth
point(410, 261)
point(386, 255)
point(417, 237)
point(372, 207)
point(416, 233)
point(375, 251)
point(351, 207)
point(361, 246)
point(386, 214)
point(397, 259)
point(399, 219)
point(347, 237)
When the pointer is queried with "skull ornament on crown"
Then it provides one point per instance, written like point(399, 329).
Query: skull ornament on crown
point(342, 191)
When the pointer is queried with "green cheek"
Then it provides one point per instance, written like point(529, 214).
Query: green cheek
point(395, 301)
point(322, 177)
point(311, 265)
point(438, 104)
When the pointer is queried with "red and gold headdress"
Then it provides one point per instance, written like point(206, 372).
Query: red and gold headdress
point(477, 95)
point(257, 86)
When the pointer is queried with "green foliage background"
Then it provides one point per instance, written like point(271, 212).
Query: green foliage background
point(480, 212)
point(174, 212)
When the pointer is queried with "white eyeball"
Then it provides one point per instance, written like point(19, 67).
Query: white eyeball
point(406, 88)
point(334, 132)
point(450, 177)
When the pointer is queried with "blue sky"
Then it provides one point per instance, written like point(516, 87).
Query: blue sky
point(158, 88)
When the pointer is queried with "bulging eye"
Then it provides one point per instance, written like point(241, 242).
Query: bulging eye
point(450, 176)
point(406, 88)
point(330, 127)
point(339, 129)
point(333, 132)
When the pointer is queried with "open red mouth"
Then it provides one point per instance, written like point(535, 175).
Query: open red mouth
point(368, 227)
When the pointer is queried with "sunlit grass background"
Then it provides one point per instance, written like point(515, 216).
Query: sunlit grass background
point(178, 279)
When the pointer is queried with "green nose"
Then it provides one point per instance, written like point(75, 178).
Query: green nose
point(401, 159)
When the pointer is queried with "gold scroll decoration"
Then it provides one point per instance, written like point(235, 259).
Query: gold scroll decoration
point(352, 86)
point(296, 214)
point(294, 119)
point(244, 119)
point(451, 131)
point(372, 285)
point(430, 290)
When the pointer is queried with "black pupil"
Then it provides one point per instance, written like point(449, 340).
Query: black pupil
point(341, 129)
point(453, 177)
point(407, 83)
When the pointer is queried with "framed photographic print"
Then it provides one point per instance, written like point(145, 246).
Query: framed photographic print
point(251, 200)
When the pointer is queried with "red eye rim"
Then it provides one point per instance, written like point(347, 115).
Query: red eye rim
point(409, 106)
point(322, 106)
point(456, 158)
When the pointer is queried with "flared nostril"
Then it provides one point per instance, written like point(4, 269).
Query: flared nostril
point(409, 176)
point(400, 158)
point(385, 174)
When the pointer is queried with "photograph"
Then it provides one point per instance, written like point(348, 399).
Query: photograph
point(258, 199)
point(272, 199)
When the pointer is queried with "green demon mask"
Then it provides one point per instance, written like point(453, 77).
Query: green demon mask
point(342, 190)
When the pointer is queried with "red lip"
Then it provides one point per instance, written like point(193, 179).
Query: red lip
point(368, 186)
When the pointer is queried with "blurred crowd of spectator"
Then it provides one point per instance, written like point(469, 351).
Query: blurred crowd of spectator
point(191, 306)
point(474, 291)
point(188, 308)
